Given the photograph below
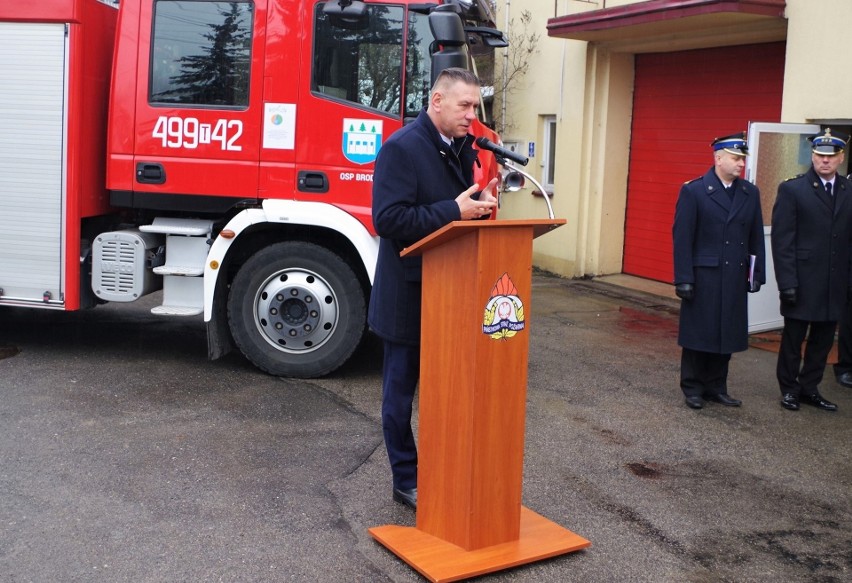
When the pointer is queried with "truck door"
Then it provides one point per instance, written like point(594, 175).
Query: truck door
point(198, 103)
point(352, 103)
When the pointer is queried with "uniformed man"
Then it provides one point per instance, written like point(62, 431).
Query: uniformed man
point(843, 367)
point(811, 239)
point(719, 256)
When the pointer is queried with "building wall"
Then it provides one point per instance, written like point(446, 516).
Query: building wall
point(812, 26)
point(589, 90)
point(588, 86)
point(555, 85)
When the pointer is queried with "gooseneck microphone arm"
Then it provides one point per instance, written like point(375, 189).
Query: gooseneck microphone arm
point(503, 156)
point(541, 189)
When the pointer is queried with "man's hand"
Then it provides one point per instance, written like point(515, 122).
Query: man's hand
point(476, 209)
point(788, 296)
point(684, 291)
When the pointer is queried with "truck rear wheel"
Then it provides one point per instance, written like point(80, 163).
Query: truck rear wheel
point(296, 309)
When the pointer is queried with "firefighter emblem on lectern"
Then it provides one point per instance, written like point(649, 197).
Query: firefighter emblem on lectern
point(504, 312)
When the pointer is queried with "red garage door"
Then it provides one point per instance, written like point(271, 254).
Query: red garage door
point(681, 102)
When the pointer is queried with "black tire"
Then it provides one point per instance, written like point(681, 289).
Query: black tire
point(295, 309)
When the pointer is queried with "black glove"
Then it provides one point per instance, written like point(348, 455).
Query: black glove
point(754, 288)
point(788, 296)
point(849, 295)
point(684, 291)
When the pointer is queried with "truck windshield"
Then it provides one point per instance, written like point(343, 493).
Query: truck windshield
point(201, 53)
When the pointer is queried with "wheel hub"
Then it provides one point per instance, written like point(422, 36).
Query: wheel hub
point(296, 311)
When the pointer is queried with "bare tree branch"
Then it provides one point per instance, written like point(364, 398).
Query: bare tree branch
point(523, 44)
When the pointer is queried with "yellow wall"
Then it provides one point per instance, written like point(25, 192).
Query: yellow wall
point(589, 88)
point(817, 81)
point(554, 85)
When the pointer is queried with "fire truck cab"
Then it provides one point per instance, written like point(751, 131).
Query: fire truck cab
point(219, 151)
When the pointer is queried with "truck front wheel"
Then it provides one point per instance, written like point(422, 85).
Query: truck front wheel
point(296, 309)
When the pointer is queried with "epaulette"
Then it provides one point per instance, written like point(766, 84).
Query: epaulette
point(793, 177)
point(691, 181)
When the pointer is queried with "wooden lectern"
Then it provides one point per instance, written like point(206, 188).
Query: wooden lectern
point(477, 279)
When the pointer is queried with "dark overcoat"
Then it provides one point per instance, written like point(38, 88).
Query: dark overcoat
point(415, 183)
point(713, 237)
point(811, 238)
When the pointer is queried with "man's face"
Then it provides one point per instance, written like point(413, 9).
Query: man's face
point(729, 166)
point(826, 166)
point(455, 108)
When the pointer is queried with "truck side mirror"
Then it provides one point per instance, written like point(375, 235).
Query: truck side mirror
point(450, 41)
point(491, 37)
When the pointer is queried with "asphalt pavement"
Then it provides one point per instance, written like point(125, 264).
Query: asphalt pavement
point(127, 456)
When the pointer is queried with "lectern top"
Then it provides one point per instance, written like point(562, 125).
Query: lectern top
point(457, 229)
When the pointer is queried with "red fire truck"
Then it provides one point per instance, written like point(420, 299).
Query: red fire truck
point(221, 152)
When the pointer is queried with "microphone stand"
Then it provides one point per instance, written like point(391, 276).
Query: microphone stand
point(514, 168)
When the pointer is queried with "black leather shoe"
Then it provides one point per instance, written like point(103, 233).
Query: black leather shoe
point(817, 401)
point(790, 401)
point(694, 402)
point(845, 379)
point(725, 400)
point(407, 497)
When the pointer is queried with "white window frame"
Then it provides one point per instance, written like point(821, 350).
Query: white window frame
point(548, 152)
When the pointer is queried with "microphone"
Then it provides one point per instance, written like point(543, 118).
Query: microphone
point(500, 151)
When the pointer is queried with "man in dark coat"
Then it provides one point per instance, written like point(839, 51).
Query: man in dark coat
point(843, 367)
point(719, 256)
point(423, 180)
point(811, 239)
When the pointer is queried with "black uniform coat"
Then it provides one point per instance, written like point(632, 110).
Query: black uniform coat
point(811, 238)
point(415, 183)
point(713, 237)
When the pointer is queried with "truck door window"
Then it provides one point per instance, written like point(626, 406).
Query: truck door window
point(360, 60)
point(418, 65)
point(201, 53)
